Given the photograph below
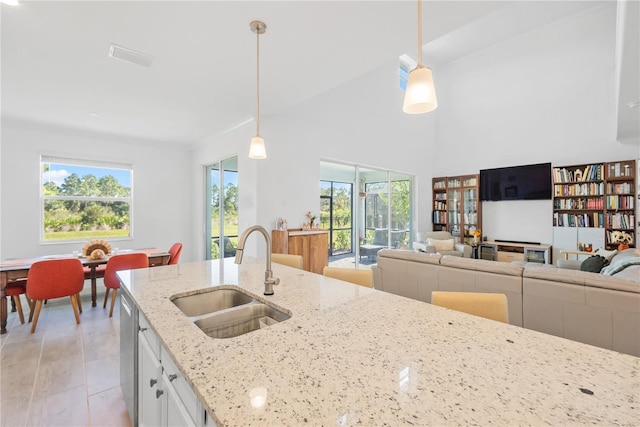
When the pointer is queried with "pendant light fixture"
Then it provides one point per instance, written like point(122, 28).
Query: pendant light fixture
point(257, 149)
point(420, 95)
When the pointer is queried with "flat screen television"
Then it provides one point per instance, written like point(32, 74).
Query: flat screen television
point(528, 182)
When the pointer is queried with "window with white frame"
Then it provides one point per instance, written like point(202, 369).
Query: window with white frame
point(84, 199)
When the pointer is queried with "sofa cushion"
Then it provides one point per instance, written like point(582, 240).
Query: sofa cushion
point(562, 275)
point(593, 264)
point(442, 245)
point(482, 265)
point(410, 256)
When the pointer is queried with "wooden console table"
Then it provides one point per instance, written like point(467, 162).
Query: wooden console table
point(515, 251)
point(313, 245)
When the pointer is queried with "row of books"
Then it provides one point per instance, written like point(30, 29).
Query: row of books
point(441, 196)
point(440, 206)
point(439, 185)
point(439, 217)
point(589, 173)
point(471, 194)
point(567, 204)
point(620, 220)
point(619, 188)
point(470, 218)
point(620, 202)
point(454, 218)
point(586, 189)
point(616, 170)
point(593, 219)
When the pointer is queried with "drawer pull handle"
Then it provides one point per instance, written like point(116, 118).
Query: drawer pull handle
point(143, 329)
point(159, 393)
point(153, 382)
point(172, 377)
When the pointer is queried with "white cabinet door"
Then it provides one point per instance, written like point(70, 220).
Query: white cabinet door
point(174, 413)
point(149, 380)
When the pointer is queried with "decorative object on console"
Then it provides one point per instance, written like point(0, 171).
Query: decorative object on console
point(96, 249)
point(622, 239)
point(476, 235)
point(420, 95)
point(309, 225)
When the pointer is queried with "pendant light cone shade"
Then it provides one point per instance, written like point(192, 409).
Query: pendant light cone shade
point(257, 150)
point(420, 96)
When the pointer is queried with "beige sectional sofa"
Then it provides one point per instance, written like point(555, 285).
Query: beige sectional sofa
point(588, 307)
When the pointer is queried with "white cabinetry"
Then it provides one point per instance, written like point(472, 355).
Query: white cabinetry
point(164, 397)
point(149, 392)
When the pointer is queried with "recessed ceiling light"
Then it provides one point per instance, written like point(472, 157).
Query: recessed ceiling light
point(10, 2)
point(635, 104)
point(93, 114)
point(130, 55)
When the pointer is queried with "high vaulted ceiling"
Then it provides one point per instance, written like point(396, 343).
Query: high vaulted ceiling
point(56, 69)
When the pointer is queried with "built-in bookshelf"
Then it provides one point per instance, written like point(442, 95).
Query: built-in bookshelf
point(620, 181)
point(598, 195)
point(456, 206)
point(439, 216)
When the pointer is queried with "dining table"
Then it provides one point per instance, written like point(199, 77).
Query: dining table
point(18, 269)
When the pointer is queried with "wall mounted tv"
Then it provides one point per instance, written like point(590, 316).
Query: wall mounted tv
point(529, 182)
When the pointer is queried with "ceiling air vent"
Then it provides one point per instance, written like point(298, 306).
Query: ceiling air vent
point(124, 54)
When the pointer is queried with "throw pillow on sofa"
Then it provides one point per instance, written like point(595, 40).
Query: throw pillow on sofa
point(593, 264)
point(442, 245)
point(606, 254)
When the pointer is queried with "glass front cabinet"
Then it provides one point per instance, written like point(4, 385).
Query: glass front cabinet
point(459, 200)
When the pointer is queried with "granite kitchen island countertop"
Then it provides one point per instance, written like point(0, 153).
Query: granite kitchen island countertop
point(353, 355)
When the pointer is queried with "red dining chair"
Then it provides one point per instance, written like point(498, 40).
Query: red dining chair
point(174, 253)
point(14, 289)
point(51, 279)
point(118, 263)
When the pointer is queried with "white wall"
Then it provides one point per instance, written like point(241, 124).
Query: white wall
point(162, 196)
point(546, 96)
point(360, 122)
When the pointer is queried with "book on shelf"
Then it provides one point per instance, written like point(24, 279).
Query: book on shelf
point(589, 173)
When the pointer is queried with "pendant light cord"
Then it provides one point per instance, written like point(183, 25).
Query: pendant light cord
point(258, 83)
point(419, 33)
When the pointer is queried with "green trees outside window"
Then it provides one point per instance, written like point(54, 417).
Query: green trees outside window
point(81, 202)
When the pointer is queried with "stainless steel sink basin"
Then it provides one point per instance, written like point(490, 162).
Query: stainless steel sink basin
point(240, 320)
point(212, 301)
point(227, 313)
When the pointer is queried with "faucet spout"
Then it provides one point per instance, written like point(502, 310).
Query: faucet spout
point(269, 280)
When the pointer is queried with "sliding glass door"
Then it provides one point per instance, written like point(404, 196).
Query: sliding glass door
point(336, 207)
point(222, 209)
point(365, 210)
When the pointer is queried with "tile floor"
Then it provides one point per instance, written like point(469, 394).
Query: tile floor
point(64, 374)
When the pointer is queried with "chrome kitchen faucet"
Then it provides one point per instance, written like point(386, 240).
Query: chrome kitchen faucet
point(269, 280)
